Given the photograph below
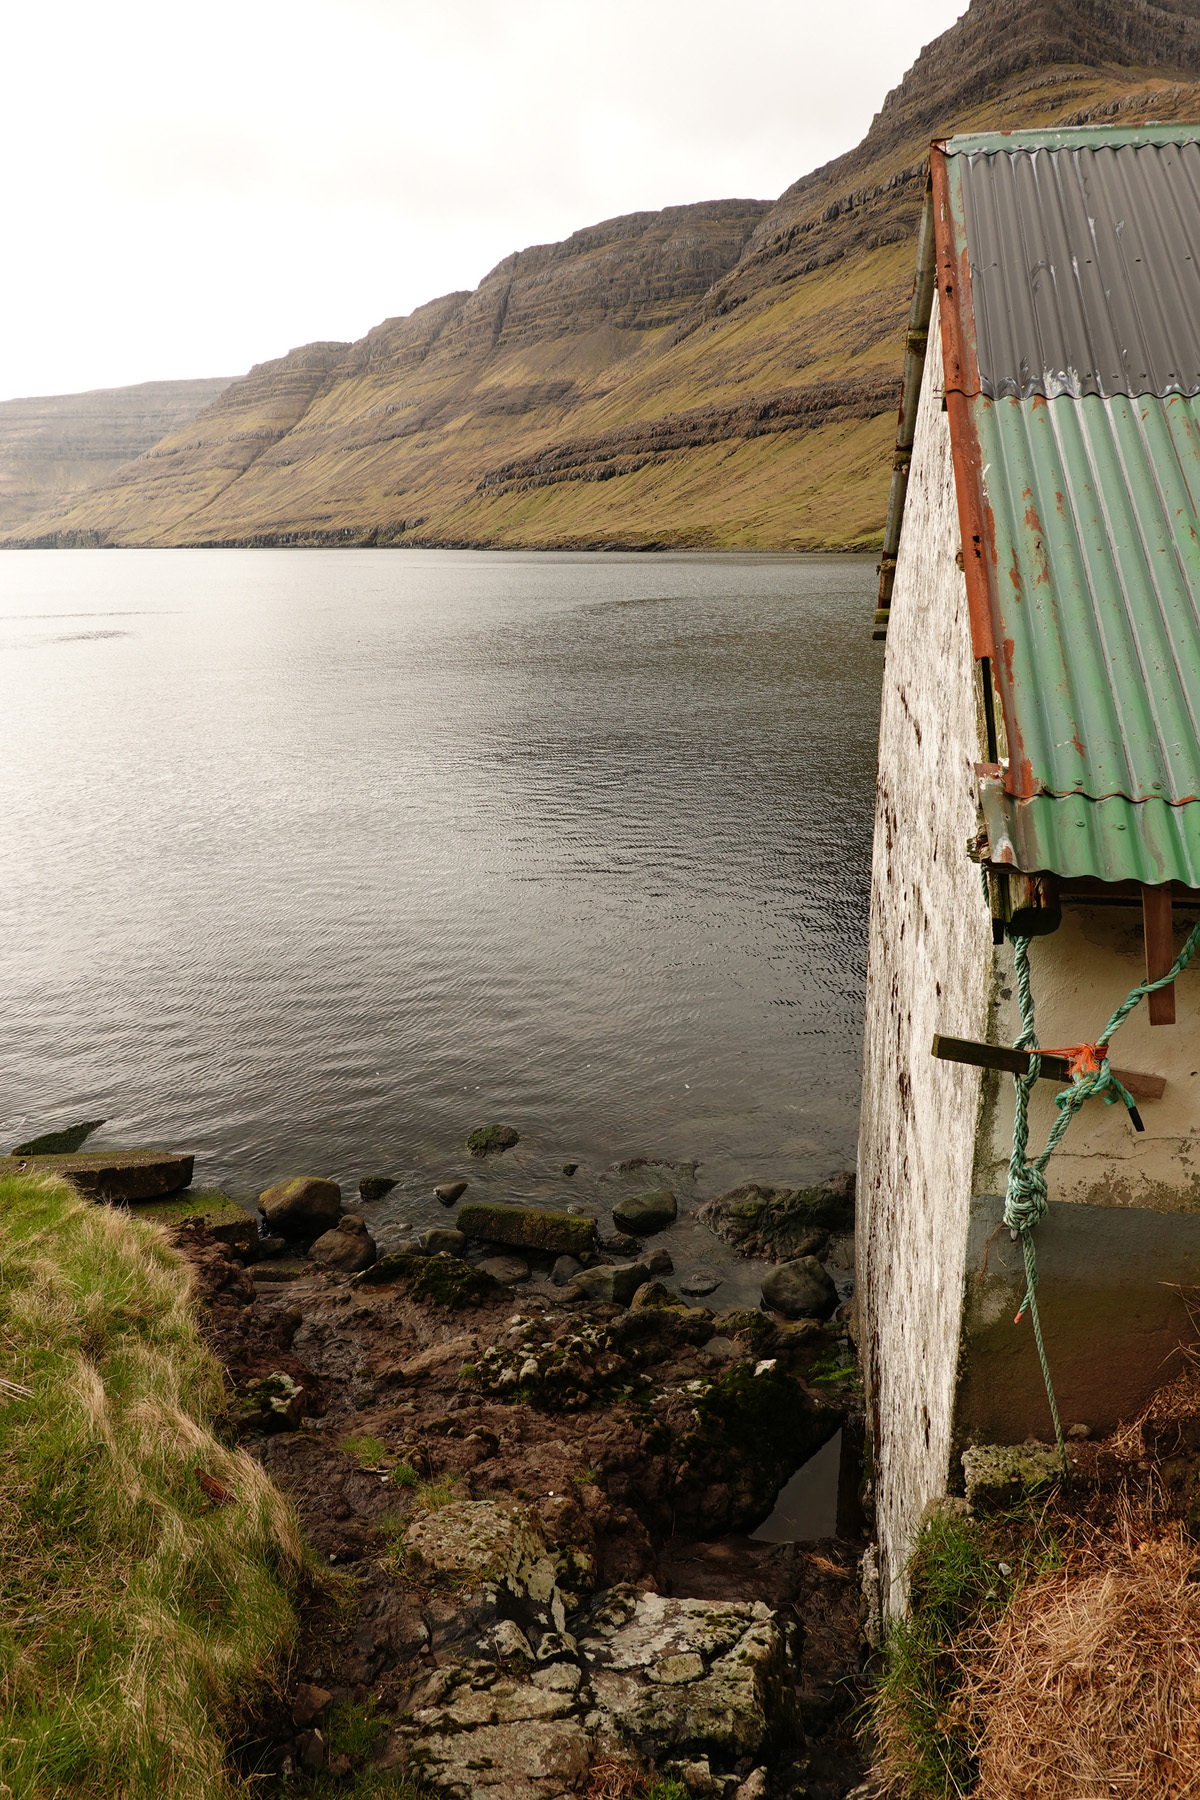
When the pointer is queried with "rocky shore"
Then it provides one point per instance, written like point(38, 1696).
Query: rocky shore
point(528, 1467)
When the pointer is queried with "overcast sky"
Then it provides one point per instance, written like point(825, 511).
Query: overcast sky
point(193, 188)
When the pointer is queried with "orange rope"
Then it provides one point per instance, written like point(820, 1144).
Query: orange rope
point(1083, 1059)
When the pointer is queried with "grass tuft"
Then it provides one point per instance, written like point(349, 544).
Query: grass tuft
point(141, 1611)
point(957, 1591)
point(367, 1451)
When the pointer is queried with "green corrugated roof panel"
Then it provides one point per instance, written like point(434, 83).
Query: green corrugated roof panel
point(1096, 511)
point(1105, 840)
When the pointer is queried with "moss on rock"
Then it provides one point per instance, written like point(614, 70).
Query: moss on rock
point(764, 1424)
point(527, 1227)
point(438, 1280)
point(490, 1139)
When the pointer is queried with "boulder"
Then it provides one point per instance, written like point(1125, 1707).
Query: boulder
point(563, 1270)
point(782, 1223)
point(111, 1174)
point(450, 1191)
point(659, 1262)
point(800, 1289)
point(527, 1228)
point(1000, 1476)
point(472, 1541)
point(374, 1187)
point(615, 1283)
point(303, 1207)
point(443, 1241)
point(644, 1214)
point(347, 1246)
point(714, 1678)
point(489, 1140)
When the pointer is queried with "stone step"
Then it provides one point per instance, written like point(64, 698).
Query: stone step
point(111, 1174)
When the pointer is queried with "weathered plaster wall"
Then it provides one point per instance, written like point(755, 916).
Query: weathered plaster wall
point(929, 969)
point(1081, 973)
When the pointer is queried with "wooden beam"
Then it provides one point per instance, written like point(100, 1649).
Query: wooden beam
point(1160, 951)
point(1052, 1068)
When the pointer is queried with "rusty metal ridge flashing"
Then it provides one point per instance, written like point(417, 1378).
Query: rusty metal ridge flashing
point(915, 345)
point(961, 385)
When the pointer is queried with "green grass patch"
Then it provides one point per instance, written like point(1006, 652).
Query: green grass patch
point(353, 1730)
point(956, 1587)
point(431, 1496)
point(405, 1476)
point(142, 1610)
point(367, 1451)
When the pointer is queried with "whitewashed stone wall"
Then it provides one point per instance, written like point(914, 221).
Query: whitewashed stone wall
point(929, 969)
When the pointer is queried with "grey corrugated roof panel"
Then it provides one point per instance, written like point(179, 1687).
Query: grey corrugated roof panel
point(1106, 840)
point(1084, 252)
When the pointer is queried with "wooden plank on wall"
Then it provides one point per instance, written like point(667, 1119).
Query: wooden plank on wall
point(1160, 951)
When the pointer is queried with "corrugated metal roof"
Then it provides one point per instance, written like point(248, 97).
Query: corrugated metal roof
point(1108, 840)
point(1085, 268)
point(1079, 487)
point(1096, 511)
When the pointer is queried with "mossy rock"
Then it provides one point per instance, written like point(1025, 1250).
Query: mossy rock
point(489, 1140)
point(754, 1431)
point(110, 1174)
point(752, 1327)
point(782, 1223)
point(58, 1143)
point(374, 1187)
point(527, 1227)
point(228, 1221)
point(437, 1280)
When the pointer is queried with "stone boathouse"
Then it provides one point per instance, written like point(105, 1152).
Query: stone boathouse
point(1039, 776)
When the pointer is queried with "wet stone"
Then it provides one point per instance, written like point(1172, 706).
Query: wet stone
point(442, 1241)
point(644, 1214)
point(374, 1187)
point(800, 1289)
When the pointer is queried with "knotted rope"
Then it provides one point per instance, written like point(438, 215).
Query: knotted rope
point(1026, 1202)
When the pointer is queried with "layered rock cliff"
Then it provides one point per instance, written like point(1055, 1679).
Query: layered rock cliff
point(724, 373)
point(55, 447)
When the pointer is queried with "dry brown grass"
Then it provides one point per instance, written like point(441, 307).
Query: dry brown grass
point(1091, 1684)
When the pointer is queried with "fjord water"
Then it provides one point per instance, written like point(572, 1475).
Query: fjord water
point(317, 860)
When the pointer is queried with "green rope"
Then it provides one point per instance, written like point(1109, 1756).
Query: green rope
point(1026, 1202)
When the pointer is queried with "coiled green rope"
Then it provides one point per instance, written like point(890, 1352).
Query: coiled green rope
point(1026, 1202)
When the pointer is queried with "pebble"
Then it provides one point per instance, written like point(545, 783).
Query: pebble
point(699, 1283)
point(505, 1268)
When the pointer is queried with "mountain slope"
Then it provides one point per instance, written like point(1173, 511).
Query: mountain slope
point(56, 447)
point(722, 374)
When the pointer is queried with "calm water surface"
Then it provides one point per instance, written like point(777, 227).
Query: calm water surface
point(317, 860)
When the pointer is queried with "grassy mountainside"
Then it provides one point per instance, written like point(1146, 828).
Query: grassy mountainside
point(723, 374)
point(56, 447)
